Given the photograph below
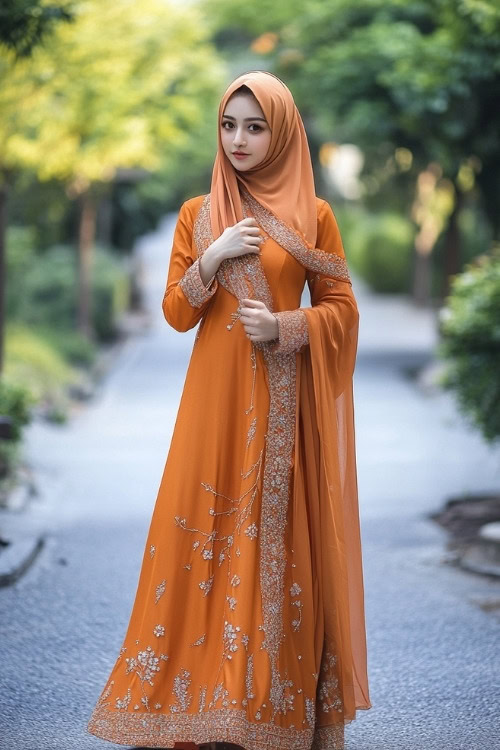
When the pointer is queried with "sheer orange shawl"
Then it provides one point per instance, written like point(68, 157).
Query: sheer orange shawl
point(325, 494)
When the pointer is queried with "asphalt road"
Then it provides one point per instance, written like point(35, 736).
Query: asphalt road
point(433, 631)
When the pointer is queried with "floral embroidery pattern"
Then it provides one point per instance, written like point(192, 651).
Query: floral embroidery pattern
point(244, 277)
point(160, 590)
point(314, 259)
point(193, 287)
point(293, 331)
point(145, 664)
point(200, 640)
point(181, 685)
point(328, 684)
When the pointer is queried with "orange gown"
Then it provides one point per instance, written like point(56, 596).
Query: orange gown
point(248, 622)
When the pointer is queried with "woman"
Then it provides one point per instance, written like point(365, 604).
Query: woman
point(248, 623)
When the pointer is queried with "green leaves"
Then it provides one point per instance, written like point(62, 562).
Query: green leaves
point(122, 86)
point(470, 330)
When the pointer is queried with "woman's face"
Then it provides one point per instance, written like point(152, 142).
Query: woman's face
point(244, 129)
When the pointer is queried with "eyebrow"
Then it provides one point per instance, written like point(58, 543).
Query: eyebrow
point(246, 119)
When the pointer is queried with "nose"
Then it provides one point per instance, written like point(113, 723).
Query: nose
point(239, 139)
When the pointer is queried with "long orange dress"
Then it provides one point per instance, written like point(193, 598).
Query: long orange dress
point(248, 623)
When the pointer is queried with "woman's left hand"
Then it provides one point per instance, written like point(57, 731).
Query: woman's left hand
point(258, 322)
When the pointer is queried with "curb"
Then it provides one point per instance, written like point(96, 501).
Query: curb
point(18, 556)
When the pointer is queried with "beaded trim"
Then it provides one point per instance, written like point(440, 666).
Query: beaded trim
point(243, 276)
point(293, 331)
point(193, 287)
point(314, 259)
point(220, 725)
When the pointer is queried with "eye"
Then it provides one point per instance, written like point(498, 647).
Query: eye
point(254, 125)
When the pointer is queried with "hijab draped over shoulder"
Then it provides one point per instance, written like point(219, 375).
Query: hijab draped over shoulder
point(284, 182)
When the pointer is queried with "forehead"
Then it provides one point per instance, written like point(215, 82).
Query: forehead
point(243, 105)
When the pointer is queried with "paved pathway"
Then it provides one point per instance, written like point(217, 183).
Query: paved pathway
point(434, 683)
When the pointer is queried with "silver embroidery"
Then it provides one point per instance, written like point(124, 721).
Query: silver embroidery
point(202, 699)
point(123, 703)
point(145, 664)
point(160, 590)
point(293, 331)
point(249, 678)
point(314, 259)
point(206, 586)
point(193, 287)
point(200, 640)
point(310, 711)
point(251, 431)
point(180, 690)
point(251, 531)
point(229, 638)
point(245, 278)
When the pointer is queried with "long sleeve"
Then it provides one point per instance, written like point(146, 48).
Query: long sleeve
point(186, 297)
point(331, 295)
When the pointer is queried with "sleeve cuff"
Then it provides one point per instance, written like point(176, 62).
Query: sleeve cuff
point(193, 287)
point(293, 332)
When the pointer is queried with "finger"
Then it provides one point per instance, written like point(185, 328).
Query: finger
point(248, 221)
point(252, 302)
point(251, 327)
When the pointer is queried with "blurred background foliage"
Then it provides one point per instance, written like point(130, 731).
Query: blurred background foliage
point(109, 120)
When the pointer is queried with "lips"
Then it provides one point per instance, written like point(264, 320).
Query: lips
point(240, 153)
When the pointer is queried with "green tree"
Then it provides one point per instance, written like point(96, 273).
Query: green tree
point(24, 24)
point(119, 88)
point(420, 75)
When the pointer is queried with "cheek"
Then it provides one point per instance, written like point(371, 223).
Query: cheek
point(264, 144)
point(225, 137)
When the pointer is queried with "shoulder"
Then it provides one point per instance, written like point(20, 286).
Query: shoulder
point(325, 214)
point(191, 206)
point(323, 208)
point(328, 235)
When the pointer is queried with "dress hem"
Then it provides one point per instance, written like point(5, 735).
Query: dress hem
point(219, 725)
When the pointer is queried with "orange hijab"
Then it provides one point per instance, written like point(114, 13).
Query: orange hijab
point(284, 182)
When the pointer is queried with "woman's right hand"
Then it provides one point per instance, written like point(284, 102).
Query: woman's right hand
point(240, 239)
point(244, 237)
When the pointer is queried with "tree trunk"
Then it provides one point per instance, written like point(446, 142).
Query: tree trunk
point(421, 290)
point(3, 266)
point(452, 255)
point(86, 236)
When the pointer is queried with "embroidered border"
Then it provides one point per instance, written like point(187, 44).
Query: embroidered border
point(193, 287)
point(314, 259)
point(293, 331)
point(244, 276)
point(229, 725)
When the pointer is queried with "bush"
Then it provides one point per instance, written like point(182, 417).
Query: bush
point(470, 342)
point(31, 361)
point(378, 247)
point(42, 288)
point(15, 402)
point(110, 293)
